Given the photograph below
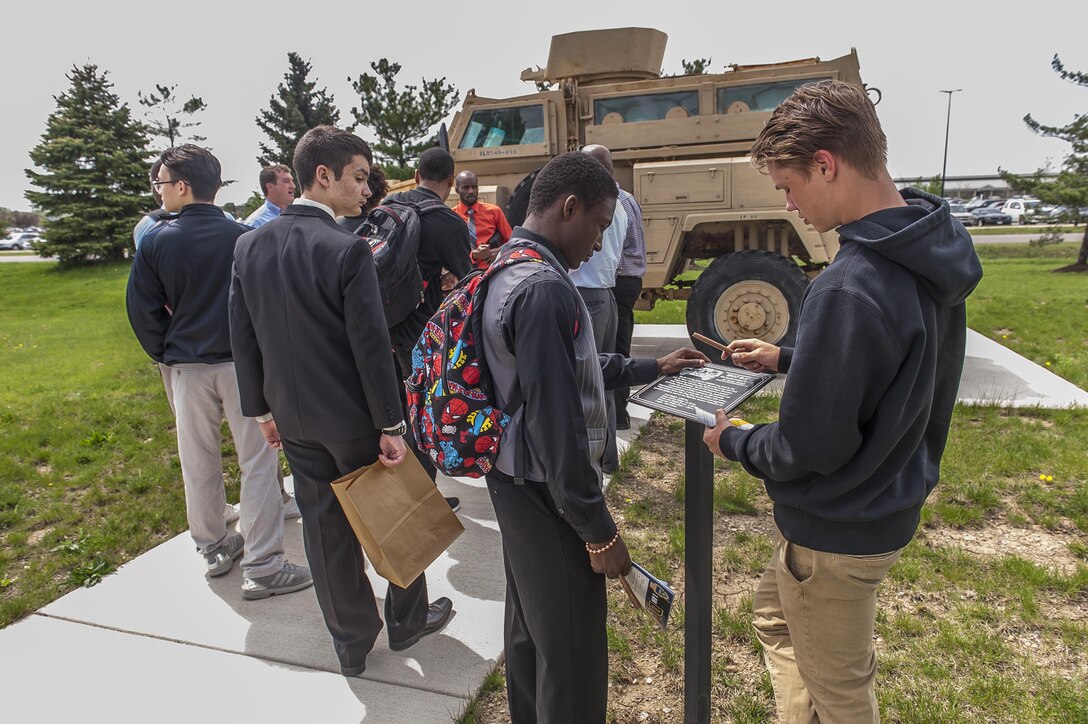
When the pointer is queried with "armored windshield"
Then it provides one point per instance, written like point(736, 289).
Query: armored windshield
point(516, 126)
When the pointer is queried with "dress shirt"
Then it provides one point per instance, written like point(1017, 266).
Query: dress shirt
point(633, 258)
point(600, 271)
point(492, 228)
point(264, 213)
point(539, 324)
point(317, 205)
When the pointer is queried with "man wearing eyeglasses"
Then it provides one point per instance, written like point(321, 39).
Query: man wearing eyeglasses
point(177, 306)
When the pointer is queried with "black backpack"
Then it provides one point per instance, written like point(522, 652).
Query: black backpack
point(392, 230)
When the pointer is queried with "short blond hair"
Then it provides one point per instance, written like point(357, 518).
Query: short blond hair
point(830, 115)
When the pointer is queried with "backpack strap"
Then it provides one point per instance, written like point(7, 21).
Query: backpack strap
point(507, 258)
point(421, 207)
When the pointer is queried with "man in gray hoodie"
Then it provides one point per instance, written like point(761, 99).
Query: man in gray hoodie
point(865, 412)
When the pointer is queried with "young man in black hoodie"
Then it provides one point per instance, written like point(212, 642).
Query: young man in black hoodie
point(865, 412)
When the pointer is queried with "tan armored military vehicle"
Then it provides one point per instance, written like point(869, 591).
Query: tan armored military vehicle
point(680, 145)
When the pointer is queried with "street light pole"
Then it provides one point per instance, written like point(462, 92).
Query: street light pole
point(947, 123)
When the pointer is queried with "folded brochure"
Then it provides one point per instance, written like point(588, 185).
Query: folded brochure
point(648, 593)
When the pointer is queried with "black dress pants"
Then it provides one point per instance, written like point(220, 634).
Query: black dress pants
point(626, 292)
point(556, 646)
point(336, 558)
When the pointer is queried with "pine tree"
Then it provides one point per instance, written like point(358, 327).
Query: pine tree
point(297, 109)
point(400, 119)
point(1070, 187)
point(93, 158)
point(699, 66)
point(166, 115)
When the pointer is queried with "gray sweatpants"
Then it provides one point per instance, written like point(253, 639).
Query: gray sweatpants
point(203, 394)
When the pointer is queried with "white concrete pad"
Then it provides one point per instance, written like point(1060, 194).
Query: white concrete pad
point(165, 594)
point(58, 671)
point(993, 373)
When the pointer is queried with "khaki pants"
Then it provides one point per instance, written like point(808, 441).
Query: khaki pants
point(203, 394)
point(814, 612)
point(168, 383)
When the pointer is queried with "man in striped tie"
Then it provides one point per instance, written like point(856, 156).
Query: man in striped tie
point(488, 228)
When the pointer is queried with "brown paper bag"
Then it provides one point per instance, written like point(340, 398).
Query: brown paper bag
point(399, 517)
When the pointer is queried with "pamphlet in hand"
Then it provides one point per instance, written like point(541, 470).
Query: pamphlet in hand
point(649, 593)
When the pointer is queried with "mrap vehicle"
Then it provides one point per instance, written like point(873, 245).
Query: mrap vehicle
point(680, 145)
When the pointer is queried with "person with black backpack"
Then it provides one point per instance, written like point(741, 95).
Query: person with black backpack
point(443, 244)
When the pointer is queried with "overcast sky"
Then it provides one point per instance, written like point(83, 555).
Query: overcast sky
point(234, 54)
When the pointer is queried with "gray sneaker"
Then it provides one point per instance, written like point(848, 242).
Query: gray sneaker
point(230, 514)
point(288, 579)
point(290, 508)
point(221, 558)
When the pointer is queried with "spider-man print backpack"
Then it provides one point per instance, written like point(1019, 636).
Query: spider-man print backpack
point(450, 392)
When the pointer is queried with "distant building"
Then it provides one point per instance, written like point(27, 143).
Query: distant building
point(967, 187)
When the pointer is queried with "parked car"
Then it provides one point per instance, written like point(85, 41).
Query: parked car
point(1019, 208)
point(1065, 214)
point(990, 216)
point(975, 203)
point(961, 214)
point(19, 240)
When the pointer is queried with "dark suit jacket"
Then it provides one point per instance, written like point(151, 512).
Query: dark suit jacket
point(308, 332)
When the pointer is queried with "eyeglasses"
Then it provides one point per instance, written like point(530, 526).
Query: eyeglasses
point(158, 184)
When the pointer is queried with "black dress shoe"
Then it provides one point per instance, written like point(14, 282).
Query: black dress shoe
point(353, 670)
point(439, 614)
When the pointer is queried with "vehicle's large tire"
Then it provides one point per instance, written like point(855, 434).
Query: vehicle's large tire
point(747, 294)
point(517, 206)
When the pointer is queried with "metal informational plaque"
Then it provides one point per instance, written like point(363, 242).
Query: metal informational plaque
point(696, 393)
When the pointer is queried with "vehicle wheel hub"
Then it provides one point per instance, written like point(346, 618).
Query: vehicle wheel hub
point(752, 309)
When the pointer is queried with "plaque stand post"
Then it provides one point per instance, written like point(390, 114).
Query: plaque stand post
point(698, 569)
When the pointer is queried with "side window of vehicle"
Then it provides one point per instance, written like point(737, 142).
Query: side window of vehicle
point(757, 97)
point(504, 127)
point(646, 107)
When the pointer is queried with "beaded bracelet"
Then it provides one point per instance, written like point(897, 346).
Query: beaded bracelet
point(610, 544)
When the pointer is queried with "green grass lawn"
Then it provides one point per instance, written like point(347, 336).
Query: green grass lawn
point(981, 620)
point(1023, 305)
point(90, 476)
point(1031, 229)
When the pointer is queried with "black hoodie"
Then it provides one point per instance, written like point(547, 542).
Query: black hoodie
point(872, 383)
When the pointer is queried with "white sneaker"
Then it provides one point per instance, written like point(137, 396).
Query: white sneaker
point(230, 514)
point(290, 508)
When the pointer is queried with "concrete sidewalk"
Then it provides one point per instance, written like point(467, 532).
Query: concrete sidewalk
point(158, 642)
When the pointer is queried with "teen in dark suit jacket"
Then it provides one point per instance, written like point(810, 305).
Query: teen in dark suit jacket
point(314, 367)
